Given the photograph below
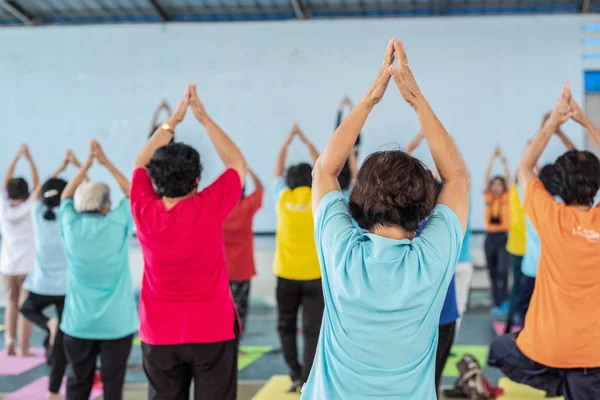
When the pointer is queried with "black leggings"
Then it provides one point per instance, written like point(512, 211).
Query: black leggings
point(291, 295)
point(32, 309)
point(497, 262)
point(445, 340)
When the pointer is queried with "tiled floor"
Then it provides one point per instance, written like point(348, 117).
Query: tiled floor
point(476, 330)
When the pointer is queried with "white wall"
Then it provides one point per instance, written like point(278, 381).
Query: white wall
point(489, 79)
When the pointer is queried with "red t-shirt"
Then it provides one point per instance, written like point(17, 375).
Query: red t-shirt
point(185, 296)
point(239, 239)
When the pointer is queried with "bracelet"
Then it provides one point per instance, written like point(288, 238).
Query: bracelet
point(168, 128)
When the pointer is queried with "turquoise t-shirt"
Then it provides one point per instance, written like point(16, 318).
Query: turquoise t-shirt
point(383, 299)
point(465, 251)
point(100, 302)
point(49, 274)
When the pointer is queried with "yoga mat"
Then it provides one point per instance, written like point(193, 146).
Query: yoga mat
point(37, 389)
point(275, 388)
point(16, 365)
point(458, 351)
point(251, 354)
point(1, 328)
point(499, 327)
point(516, 391)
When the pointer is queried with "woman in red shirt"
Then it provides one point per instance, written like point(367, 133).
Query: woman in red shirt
point(239, 246)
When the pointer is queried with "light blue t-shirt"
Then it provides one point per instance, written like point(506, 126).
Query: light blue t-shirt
point(465, 251)
point(383, 299)
point(49, 274)
point(529, 265)
point(100, 302)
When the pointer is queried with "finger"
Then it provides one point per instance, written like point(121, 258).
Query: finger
point(400, 54)
point(388, 58)
point(394, 73)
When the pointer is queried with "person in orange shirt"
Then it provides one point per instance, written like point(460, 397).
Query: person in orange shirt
point(238, 239)
point(558, 350)
point(497, 220)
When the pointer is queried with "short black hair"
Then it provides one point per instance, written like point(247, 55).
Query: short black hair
point(298, 176)
point(392, 189)
point(154, 130)
point(578, 173)
point(175, 170)
point(345, 177)
point(51, 191)
point(17, 189)
point(549, 179)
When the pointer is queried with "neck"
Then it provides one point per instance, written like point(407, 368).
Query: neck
point(392, 232)
point(582, 208)
point(170, 202)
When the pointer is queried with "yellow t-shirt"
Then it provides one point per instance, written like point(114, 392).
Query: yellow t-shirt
point(516, 233)
point(295, 251)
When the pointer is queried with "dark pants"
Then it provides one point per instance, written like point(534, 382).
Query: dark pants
point(32, 309)
point(240, 290)
point(573, 384)
point(82, 355)
point(497, 262)
point(523, 299)
point(212, 366)
point(515, 267)
point(445, 340)
point(290, 296)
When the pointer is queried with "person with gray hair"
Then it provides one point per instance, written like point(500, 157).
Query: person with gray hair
point(100, 315)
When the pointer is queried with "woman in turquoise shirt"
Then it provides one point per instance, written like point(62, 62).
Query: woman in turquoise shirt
point(100, 315)
point(383, 290)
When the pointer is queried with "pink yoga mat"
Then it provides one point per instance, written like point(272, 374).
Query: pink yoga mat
point(15, 365)
point(37, 389)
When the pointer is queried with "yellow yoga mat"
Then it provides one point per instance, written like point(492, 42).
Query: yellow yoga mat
point(516, 391)
point(1, 328)
point(275, 389)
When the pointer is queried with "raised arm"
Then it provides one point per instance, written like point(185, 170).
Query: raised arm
point(490, 166)
point(353, 164)
point(75, 162)
point(37, 191)
point(445, 154)
point(507, 175)
point(412, 146)
point(227, 150)
point(580, 117)
point(164, 133)
point(561, 112)
point(162, 106)
point(566, 141)
point(255, 181)
point(332, 159)
point(282, 157)
point(314, 153)
point(10, 173)
point(74, 183)
point(35, 178)
point(121, 179)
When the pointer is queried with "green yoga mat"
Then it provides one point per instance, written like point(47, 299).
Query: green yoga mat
point(249, 354)
point(479, 352)
point(1, 328)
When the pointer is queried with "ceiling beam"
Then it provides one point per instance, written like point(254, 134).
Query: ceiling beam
point(17, 11)
point(164, 16)
point(300, 9)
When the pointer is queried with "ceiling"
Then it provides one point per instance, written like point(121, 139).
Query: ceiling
point(76, 12)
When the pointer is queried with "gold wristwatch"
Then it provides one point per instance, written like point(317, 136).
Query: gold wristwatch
point(168, 128)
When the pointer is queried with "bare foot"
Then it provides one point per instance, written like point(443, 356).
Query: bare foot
point(26, 353)
point(10, 350)
point(54, 396)
point(53, 325)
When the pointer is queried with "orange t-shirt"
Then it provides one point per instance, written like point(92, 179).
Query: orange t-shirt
point(497, 212)
point(562, 326)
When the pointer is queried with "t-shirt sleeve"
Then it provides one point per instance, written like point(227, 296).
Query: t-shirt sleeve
point(440, 242)
point(67, 213)
point(335, 234)
point(142, 191)
point(224, 193)
point(256, 200)
point(539, 205)
point(279, 186)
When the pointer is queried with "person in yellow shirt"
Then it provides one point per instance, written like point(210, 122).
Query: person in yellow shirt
point(296, 263)
point(515, 245)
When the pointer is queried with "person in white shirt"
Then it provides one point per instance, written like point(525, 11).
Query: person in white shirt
point(17, 251)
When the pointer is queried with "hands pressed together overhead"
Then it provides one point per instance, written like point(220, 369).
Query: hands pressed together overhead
point(190, 99)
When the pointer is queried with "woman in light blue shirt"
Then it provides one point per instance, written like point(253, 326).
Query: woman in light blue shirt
point(47, 281)
point(383, 289)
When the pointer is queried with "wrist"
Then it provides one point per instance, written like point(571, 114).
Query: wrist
point(419, 104)
point(172, 122)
